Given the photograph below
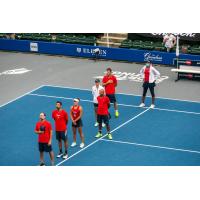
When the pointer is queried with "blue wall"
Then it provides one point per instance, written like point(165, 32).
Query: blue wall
point(131, 55)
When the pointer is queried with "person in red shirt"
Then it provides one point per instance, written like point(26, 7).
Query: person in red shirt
point(60, 117)
point(103, 114)
point(44, 130)
point(110, 83)
point(76, 113)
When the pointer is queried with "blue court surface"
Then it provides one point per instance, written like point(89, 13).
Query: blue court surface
point(168, 135)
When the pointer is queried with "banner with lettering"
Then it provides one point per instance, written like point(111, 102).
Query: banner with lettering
point(184, 37)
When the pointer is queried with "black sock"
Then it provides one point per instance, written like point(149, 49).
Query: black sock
point(99, 131)
point(66, 151)
point(60, 150)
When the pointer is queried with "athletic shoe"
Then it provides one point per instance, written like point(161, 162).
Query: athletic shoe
point(73, 144)
point(59, 155)
point(96, 124)
point(98, 135)
point(65, 156)
point(142, 105)
point(42, 164)
point(116, 114)
point(152, 106)
point(103, 125)
point(82, 145)
point(109, 136)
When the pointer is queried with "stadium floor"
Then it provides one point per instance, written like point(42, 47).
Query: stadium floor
point(171, 140)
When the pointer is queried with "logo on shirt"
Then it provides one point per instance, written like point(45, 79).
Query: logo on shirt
point(128, 76)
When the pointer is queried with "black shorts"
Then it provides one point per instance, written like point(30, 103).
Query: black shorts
point(103, 118)
point(44, 147)
point(79, 124)
point(111, 97)
point(61, 135)
point(149, 86)
point(95, 105)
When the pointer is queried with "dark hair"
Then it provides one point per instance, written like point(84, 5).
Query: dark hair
point(97, 80)
point(109, 69)
point(43, 114)
point(59, 102)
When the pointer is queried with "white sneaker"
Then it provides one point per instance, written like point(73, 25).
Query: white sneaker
point(96, 124)
point(65, 156)
point(103, 125)
point(141, 105)
point(152, 106)
point(73, 144)
point(59, 155)
point(82, 145)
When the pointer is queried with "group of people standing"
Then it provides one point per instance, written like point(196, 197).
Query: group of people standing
point(103, 95)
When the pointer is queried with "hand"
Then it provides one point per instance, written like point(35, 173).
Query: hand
point(110, 81)
point(40, 132)
point(74, 122)
point(49, 143)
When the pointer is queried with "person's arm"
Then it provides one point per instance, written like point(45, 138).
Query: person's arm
point(156, 72)
point(81, 113)
point(37, 130)
point(165, 39)
point(104, 83)
point(174, 41)
point(142, 71)
point(115, 81)
point(71, 114)
point(66, 117)
point(50, 139)
point(93, 91)
point(53, 115)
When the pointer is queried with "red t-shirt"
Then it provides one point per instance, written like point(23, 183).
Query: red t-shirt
point(103, 103)
point(110, 88)
point(60, 118)
point(75, 112)
point(146, 74)
point(44, 137)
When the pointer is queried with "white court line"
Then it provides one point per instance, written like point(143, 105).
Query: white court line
point(21, 96)
point(126, 105)
point(92, 143)
point(128, 94)
point(151, 146)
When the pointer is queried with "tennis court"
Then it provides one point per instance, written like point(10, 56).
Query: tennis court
point(168, 135)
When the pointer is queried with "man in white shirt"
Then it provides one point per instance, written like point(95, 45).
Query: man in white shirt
point(149, 75)
point(95, 92)
point(170, 41)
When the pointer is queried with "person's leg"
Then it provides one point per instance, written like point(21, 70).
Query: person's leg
point(74, 133)
point(145, 88)
point(99, 120)
point(58, 138)
point(60, 145)
point(65, 140)
point(106, 121)
point(81, 134)
point(95, 114)
point(41, 150)
point(116, 108)
point(74, 136)
point(41, 158)
point(52, 157)
point(151, 88)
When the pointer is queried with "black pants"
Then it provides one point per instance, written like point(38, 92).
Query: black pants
point(149, 86)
